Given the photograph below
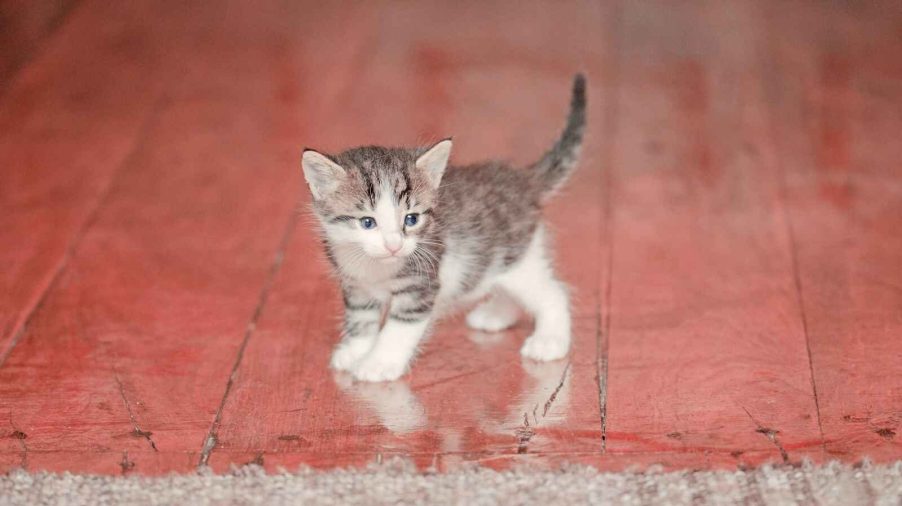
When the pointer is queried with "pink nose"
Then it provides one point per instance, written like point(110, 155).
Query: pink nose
point(393, 248)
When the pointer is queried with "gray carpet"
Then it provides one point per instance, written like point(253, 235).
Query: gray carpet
point(397, 483)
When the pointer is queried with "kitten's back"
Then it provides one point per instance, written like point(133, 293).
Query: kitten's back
point(493, 208)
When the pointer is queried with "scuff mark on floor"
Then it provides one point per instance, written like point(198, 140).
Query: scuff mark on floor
point(886, 433)
point(257, 461)
point(20, 436)
point(524, 434)
point(125, 464)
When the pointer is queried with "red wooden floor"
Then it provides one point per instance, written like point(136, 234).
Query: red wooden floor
point(732, 236)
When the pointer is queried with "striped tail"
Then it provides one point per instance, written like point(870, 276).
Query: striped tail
point(556, 165)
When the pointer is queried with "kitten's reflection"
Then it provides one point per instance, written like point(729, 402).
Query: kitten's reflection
point(393, 403)
point(536, 391)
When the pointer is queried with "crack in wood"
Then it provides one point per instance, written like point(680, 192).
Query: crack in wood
point(553, 396)
point(209, 444)
point(610, 118)
point(771, 434)
point(137, 432)
point(796, 270)
point(602, 379)
point(526, 432)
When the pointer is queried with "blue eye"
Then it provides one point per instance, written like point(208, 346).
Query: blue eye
point(411, 219)
point(367, 223)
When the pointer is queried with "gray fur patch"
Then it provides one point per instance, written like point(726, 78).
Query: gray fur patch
point(485, 213)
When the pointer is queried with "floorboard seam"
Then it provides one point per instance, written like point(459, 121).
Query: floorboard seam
point(793, 250)
point(603, 317)
point(212, 435)
point(804, 317)
point(19, 330)
point(210, 441)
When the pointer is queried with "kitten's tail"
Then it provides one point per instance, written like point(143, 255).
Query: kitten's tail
point(556, 165)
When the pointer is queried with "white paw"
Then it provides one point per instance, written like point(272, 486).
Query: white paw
point(545, 347)
point(348, 353)
point(375, 368)
point(489, 318)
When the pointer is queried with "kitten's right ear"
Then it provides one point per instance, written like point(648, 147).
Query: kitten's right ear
point(322, 174)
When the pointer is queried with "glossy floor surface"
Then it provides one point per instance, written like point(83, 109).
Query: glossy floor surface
point(732, 236)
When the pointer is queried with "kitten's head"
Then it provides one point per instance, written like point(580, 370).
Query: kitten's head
point(377, 200)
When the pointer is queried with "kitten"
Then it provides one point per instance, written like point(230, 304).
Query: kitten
point(410, 240)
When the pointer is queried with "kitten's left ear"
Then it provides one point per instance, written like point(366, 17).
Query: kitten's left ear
point(434, 161)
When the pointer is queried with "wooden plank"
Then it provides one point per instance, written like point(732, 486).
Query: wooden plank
point(499, 94)
point(706, 349)
point(66, 126)
point(837, 95)
point(27, 26)
point(131, 351)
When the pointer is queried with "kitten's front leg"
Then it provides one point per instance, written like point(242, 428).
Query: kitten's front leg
point(409, 317)
point(361, 326)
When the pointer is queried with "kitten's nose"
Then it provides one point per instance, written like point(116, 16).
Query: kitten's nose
point(393, 243)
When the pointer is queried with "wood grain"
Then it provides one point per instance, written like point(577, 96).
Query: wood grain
point(132, 348)
point(469, 394)
point(837, 113)
point(67, 126)
point(27, 25)
point(731, 235)
point(707, 351)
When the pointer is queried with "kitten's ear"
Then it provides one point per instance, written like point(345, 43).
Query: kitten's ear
point(322, 174)
point(434, 161)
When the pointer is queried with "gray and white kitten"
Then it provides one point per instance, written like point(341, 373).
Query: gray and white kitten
point(410, 240)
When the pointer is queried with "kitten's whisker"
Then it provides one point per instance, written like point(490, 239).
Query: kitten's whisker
point(428, 258)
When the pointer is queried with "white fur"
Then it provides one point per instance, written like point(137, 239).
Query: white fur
point(434, 161)
point(350, 351)
point(322, 174)
point(454, 267)
point(497, 313)
point(392, 352)
point(373, 257)
point(394, 404)
point(385, 242)
point(530, 282)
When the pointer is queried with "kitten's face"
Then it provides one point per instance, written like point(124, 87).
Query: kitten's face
point(384, 223)
point(375, 202)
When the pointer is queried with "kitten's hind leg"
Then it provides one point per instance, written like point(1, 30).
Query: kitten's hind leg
point(497, 313)
point(532, 281)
